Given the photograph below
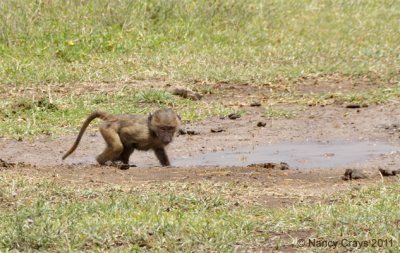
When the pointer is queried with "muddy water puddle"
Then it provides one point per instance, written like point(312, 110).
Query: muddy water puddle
point(298, 155)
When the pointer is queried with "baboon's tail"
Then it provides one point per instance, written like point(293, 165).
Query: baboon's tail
point(92, 116)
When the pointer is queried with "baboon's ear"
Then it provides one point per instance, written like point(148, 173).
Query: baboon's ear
point(150, 118)
point(179, 117)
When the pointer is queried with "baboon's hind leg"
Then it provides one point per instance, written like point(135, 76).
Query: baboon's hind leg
point(114, 145)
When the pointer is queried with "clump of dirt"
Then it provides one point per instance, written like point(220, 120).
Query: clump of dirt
point(355, 106)
point(188, 132)
point(261, 123)
point(278, 166)
point(353, 174)
point(185, 93)
point(255, 104)
point(217, 130)
point(4, 164)
point(388, 173)
point(234, 116)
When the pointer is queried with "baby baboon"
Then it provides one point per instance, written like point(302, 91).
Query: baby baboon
point(126, 132)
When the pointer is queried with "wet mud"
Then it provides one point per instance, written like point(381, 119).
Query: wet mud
point(305, 155)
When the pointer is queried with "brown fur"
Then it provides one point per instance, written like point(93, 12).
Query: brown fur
point(126, 132)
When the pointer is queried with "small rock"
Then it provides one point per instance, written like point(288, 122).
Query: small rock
point(5, 164)
point(261, 124)
point(124, 166)
point(255, 104)
point(353, 106)
point(182, 132)
point(120, 165)
point(388, 173)
point(353, 174)
point(356, 106)
point(186, 94)
point(284, 166)
point(188, 132)
point(280, 166)
point(234, 116)
point(217, 130)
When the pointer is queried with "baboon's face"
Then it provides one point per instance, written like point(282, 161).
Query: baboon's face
point(164, 123)
point(165, 134)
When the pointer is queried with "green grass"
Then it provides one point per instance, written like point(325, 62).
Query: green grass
point(236, 41)
point(275, 113)
point(41, 215)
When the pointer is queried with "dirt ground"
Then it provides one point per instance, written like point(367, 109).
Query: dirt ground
point(270, 187)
